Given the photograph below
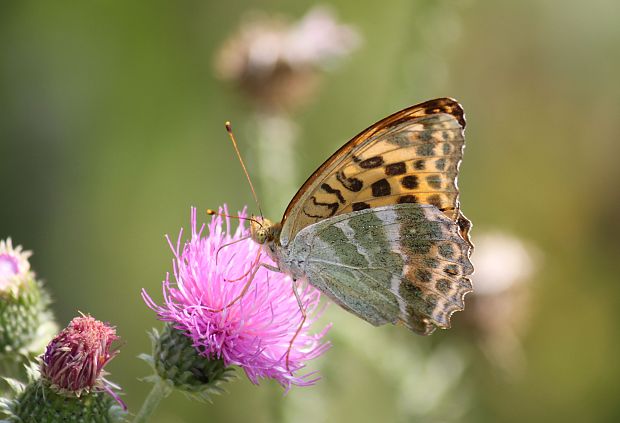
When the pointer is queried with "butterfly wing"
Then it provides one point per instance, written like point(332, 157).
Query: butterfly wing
point(403, 264)
point(412, 156)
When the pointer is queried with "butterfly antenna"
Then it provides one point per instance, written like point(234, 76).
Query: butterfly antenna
point(247, 175)
point(212, 212)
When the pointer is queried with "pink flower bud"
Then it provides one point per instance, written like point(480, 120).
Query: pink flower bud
point(74, 360)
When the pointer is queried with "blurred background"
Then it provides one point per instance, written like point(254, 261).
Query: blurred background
point(111, 127)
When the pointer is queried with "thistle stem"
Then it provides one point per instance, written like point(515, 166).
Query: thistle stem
point(160, 391)
point(276, 137)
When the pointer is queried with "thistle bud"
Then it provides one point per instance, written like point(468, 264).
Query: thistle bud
point(180, 366)
point(70, 383)
point(73, 362)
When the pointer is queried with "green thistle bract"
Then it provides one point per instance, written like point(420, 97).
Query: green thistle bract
point(178, 364)
point(38, 403)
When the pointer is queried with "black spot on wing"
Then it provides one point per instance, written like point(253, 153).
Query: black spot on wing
point(360, 206)
point(325, 187)
point(332, 207)
point(419, 164)
point(395, 169)
point(435, 200)
point(407, 199)
point(381, 188)
point(352, 184)
point(410, 181)
point(451, 269)
point(371, 163)
point(423, 275)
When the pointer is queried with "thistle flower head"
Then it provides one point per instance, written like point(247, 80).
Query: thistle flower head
point(252, 329)
point(74, 360)
point(14, 266)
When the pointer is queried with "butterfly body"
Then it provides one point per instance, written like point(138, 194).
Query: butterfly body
point(378, 227)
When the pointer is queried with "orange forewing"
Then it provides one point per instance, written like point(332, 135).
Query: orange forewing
point(410, 156)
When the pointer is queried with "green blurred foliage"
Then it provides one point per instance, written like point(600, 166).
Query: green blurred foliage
point(111, 127)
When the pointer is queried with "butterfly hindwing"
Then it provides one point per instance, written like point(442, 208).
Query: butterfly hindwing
point(391, 264)
point(410, 157)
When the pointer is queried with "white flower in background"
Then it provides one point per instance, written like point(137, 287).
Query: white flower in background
point(501, 261)
point(499, 307)
point(277, 62)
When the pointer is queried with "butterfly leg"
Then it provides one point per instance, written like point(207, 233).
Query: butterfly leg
point(247, 285)
point(253, 266)
point(301, 324)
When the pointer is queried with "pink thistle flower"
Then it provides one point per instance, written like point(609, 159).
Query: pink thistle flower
point(74, 360)
point(254, 332)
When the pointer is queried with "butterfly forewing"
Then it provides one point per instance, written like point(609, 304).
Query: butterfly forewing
point(414, 163)
point(410, 157)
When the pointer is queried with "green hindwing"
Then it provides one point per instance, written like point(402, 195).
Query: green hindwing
point(404, 263)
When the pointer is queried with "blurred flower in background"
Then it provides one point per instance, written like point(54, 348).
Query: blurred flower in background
point(26, 321)
point(14, 266)
point(498, 309)
point(277, 63)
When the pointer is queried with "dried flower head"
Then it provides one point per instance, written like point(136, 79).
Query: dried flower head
point(14, 266)
point(278, 62)
point(253, 332)
point(74, 360)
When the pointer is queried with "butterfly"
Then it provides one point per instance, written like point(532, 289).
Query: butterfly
point(378, 226)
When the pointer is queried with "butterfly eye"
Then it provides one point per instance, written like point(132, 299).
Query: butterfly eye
point(261, 236)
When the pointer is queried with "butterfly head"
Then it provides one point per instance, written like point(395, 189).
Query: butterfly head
point(263, 230)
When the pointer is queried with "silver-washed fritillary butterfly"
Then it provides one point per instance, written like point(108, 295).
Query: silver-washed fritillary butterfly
point(378, 226)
